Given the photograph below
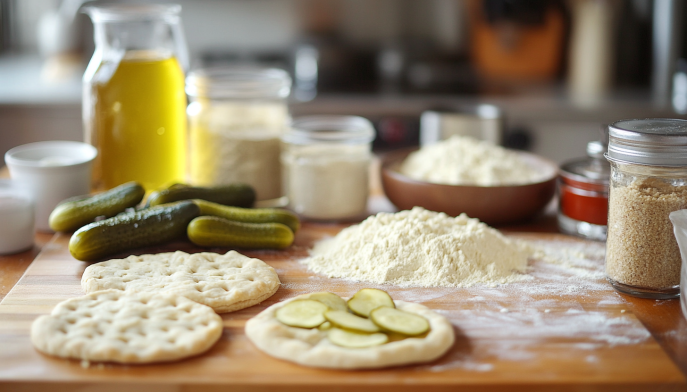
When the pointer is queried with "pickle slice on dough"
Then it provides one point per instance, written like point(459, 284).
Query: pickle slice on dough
point(362, 302)
point(330, 299)
point(351, 339)
point(343, 319)
point(398, 321)
point(304, 313)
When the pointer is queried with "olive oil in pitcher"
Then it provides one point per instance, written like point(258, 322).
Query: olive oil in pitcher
point(134, 100)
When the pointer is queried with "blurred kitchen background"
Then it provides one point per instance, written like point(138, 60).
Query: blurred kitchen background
point(556, 70)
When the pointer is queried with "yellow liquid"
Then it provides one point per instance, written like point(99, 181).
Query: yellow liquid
point(140, 123)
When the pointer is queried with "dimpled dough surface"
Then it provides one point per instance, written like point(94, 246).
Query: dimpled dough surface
point(311, 347)
point(117, 326)
point(226, 282)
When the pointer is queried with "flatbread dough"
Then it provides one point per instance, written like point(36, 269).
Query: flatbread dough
point(226, 282)
point(116, 326)
point(311, 347)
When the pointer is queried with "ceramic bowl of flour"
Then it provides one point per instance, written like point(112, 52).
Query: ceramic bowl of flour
point(494, 205)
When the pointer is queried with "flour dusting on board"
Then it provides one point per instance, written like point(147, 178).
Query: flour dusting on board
point(564, 304)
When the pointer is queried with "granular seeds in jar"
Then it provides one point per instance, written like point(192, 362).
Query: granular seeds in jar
point(648, 160)
point(641, 248)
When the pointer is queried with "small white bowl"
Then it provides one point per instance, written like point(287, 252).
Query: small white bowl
point(54, 170)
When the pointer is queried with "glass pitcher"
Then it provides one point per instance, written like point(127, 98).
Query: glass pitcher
point(134, 105)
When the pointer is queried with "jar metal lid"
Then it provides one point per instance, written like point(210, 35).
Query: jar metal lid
point(330, 129)
point(239, 83)
point(591, 170)
point(582, 170)
point(650, 141)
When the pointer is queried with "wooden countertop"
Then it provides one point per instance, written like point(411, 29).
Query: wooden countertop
point(564, 359)
point(498, 352)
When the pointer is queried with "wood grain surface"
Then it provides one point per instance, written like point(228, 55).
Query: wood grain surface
point(13, 266)
point(563, 329)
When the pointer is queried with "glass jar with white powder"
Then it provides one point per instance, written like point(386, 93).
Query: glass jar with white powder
point(237, 117)
point(326, 162)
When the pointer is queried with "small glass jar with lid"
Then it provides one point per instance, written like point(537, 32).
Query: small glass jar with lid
point(583, 194)
point(648, 181)
point(326, 162)
point(236, 118)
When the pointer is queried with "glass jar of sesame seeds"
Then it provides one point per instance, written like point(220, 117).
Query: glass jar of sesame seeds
point(648, 181)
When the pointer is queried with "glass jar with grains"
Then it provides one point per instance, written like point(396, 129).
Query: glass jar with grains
point(326, 163)
point(237, 117)
point(648, 181)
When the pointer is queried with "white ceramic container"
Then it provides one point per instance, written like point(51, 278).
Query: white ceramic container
point(16, 217)
point(54, 171)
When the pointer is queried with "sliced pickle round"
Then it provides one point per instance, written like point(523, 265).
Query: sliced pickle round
point(351, 339)
point(330, 299)
point(398, 321)
point(362, 302)
point(343, 319)
point(304, 313)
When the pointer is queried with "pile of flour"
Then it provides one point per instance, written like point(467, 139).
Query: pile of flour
point(421, 248)
point(462, 160)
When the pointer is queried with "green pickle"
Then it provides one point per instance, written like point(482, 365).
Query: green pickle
point(351, 322)
point(328, 313)
point(137, 229)
point(304, 313)
point(238, 195)
point(398, 321)
point(75, 213)
point(330, 299)
point(215, 231)
point(365, 300)
point(249, 215)
point(351, 339)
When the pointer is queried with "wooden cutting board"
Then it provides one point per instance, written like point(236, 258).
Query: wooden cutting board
point(563, 329)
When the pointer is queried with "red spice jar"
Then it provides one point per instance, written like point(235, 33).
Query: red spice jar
point(583, 194)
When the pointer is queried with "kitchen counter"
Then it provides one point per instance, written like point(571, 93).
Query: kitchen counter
point(591, 339)
point(27, 79)
point(54, 276)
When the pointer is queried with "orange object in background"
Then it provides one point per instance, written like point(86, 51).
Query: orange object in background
point(583, 194)
point(584, 205)
point(508, 47)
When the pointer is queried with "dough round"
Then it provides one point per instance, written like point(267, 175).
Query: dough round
point(310, 347)
point(225, 283)
point(116, 326)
